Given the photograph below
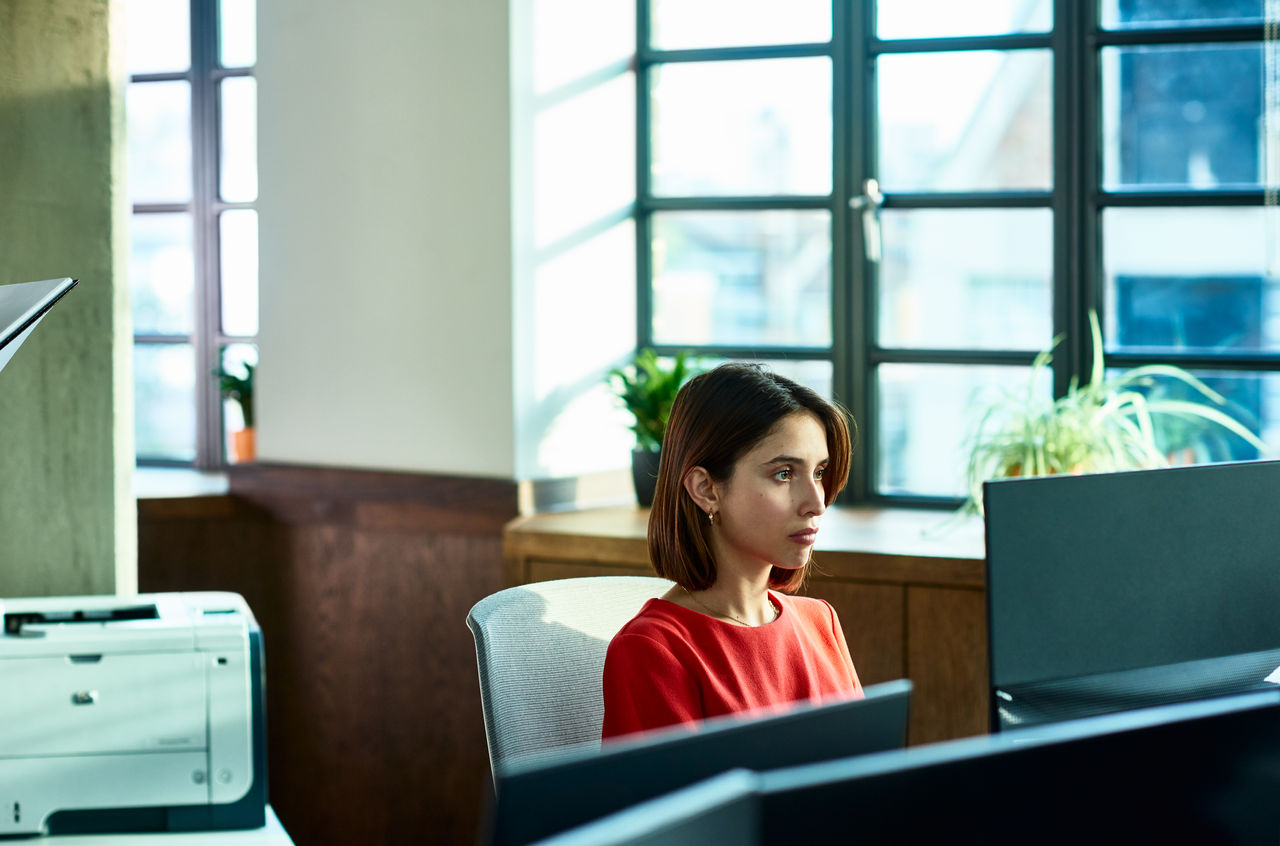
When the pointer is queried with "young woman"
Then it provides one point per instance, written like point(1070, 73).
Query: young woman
point(750, 461)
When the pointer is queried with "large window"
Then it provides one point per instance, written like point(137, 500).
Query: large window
point(901, 206)
point(191, 110)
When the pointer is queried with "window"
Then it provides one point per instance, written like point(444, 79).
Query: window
point(191, 110)
point(901, 206)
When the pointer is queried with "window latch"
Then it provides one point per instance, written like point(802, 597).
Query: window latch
point(869, 202)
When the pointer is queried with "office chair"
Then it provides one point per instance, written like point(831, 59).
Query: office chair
point(540, 652)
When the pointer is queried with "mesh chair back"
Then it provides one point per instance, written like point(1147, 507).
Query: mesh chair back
point(540, 652)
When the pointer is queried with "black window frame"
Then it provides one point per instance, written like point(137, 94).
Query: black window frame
point(1076, 199)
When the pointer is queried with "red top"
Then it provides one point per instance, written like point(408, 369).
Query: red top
point(670, 664)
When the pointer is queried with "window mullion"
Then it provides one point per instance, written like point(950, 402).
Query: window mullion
point(643, 213)
point(1071, 194)
point(855, 127)
point(204, 116)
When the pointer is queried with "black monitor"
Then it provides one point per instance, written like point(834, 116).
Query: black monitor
point(1195, 772)
point(1120, 590)
point(538, 800)
point(722, 809)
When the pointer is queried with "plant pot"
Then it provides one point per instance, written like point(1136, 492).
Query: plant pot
point(644, 474)
point(244, 445)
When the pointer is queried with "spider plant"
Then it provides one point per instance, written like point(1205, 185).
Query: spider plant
point(1103, 425)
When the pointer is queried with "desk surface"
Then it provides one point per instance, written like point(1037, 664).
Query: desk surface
point(271, 834)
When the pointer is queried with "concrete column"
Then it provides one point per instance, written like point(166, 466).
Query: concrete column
point(67, 515)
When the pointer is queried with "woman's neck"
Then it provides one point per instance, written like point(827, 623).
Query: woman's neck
point(741, 597)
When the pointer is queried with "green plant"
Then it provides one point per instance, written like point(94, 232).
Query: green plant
point(1101, 426)
point(647, 390)
point(238, 387)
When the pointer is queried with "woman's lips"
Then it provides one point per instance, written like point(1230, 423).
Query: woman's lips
point(804, 536)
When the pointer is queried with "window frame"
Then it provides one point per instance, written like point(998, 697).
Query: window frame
point(207, 339)
point(1076, 201)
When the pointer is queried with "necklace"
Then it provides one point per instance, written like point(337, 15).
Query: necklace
point(715, 613)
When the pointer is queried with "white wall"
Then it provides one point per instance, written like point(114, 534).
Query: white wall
point(385, 258)
point(447, 252)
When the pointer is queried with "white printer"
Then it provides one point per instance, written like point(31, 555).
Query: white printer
point(136, 713)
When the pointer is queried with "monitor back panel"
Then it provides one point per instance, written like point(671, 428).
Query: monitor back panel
point(540, 801)
point(1201, 772)
point(1111, 572)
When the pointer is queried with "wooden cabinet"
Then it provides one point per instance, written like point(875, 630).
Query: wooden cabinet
point(908, 586)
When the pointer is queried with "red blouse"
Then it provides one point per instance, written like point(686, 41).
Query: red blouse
point(671, 665)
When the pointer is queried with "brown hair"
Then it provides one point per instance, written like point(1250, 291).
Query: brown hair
point(716, 418)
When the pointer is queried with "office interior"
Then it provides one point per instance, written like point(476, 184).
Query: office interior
point(447, 269)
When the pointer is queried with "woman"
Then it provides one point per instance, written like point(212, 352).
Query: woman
point(750, 461)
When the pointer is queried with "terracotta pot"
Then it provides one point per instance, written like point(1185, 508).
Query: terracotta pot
point(244, 445)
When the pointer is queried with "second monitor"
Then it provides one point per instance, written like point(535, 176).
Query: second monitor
point(541, 800)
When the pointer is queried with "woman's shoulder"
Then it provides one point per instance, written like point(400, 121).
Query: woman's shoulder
point(807, 607)
point(657, 619)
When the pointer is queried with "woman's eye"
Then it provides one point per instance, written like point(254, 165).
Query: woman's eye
point(818, 473)
point(782, 475)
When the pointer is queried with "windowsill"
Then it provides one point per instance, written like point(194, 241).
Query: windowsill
point(176, 482)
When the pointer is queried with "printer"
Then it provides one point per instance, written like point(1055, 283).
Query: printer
point(139, 713)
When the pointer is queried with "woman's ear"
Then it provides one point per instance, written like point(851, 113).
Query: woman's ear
point(702, 489)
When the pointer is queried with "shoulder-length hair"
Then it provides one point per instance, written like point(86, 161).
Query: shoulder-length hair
point(716, 418)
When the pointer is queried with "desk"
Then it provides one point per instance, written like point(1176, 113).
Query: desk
point(910, 594)
point(271, 834)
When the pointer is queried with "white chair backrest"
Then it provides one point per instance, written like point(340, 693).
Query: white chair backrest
point(540, 652)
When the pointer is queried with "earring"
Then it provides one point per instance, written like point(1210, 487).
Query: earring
point(711, 517)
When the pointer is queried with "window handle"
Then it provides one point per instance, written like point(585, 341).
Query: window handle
point(869, 202)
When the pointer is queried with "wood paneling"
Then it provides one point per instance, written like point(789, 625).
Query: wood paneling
point(361, 583)
point(947, 662)
point(872, 619)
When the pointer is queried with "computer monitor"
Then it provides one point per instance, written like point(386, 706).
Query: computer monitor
point(1196, 772)
point(539, 800)
point(22, 306)
point(1120, 590)
point(722, 809)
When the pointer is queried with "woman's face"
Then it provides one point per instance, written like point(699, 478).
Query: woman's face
point(769, 507)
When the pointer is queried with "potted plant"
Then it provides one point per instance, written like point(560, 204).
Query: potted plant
point(647, 389)
point(238, 386)
point(1125, 422)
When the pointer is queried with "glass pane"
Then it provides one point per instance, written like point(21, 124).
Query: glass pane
point(159, 134)
point(237, 33)
point(947, 18)
point(685, 24)
point(165, 401)
point(742, 278)
point(1181, 117)
point(1115, 14)
point(162, 274)
point(743, 127)
point(927, 415)
point(239, 166)
point(967, 279)
point(239, 259)
point(1252, 399)
point(966, 121)
point(815, 375)
point(157, 36)
point(1189, 279)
